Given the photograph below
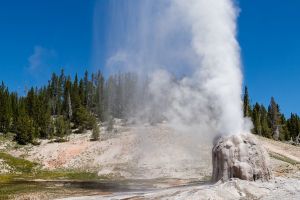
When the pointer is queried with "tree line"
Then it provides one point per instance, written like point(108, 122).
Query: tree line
point(66, 104)
point(269, 121)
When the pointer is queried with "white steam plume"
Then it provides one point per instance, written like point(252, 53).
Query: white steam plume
point(194, 39)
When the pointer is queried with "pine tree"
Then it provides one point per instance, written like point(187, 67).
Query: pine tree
point(285, 135)
point(15, 110)
point(43, 119)
point(31, 102)
point(96, 132)
point(25, 130)
point(82, 93)
point(293, 125)
point(99, 96)
point(266, 131)
point(75, 96)
point(54, 94)
point(90, 95)
point(83, 119)
point(247, 106)
point(5, 109)
point(274, 116)
point(62, 127)
point(67, 102)
point(85, 89)
point(257, 119)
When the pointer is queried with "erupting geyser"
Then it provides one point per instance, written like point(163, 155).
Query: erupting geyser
point(196, 40)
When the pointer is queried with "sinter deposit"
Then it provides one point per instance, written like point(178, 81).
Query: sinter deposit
point(240, 156)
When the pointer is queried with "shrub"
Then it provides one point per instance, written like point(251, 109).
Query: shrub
point(96, 132)
point(84, 119)
point(62, 127)
point(25, 130)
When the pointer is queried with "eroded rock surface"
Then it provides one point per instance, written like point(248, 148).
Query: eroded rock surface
point(240, 156)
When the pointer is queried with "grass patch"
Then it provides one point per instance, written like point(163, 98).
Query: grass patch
point(283, 158)
point(66, 175)
point(206, 178)
point(23, 179)
point(30, 170)
point(19, 165)
point(7, 137)
point(5, 178)
point(12, 185)
point(11, 189)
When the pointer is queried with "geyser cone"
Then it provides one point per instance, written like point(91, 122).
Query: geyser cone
point(240, 156)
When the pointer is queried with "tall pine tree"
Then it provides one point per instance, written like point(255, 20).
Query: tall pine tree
point(247, 106)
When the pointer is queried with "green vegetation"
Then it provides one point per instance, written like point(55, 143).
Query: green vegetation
point(65, 104)
point(62, 127)
point(18, 165)
point(283, 158)
point(29, 170)
point(67, 175)
point(96, 132)
point(271, 123)
point(9, 189)
point(24, 176)
point(52, 175)
point(14, 184)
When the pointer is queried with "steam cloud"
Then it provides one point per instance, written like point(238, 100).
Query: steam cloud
point(192, 40)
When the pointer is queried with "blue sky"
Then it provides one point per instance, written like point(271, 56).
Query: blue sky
point(269, 35)
point(39, 37)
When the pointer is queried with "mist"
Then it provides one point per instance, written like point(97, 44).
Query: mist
point(189, 52)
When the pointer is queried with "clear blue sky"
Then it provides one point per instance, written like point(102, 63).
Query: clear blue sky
point(269, 35)
point(39, 37)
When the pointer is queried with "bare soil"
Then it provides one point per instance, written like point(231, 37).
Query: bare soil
point(130, 152)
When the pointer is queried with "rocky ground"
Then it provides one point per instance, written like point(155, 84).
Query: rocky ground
point(130, 152)
point(155, 152)
point(4, 167)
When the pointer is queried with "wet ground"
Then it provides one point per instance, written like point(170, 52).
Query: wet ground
point(64, 188)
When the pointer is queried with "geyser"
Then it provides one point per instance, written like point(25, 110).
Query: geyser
point(189, 53)
point(193, 39)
